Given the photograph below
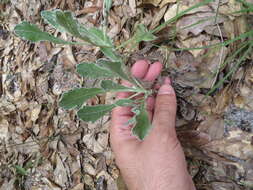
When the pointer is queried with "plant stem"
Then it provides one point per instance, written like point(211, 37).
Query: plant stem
point(124, 44)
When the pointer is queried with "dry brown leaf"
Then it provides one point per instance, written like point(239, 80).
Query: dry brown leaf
point(132, 5)
point(71, 4)
point(213, 126)
point(88, 180)
point(173, 11)
point(6, 107)
point(245, 98)
point(236, 144)
point(197, 72)
point(194, 138)
point(223, 99)
point(152, 2)
point(49, 184)
point(165, 2)
point(230, 7)
point(80, 186)
point(35, 112)
point(177, 8)
point(196, 23)
point(4, 130)
point(197, 41)
point(8, 185)
point(158, 16)
point(87, 10)
point(60, 171)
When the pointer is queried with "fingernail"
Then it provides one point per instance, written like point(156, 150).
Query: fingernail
point(166, 89)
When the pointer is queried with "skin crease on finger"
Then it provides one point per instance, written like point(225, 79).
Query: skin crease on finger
point(158, 162)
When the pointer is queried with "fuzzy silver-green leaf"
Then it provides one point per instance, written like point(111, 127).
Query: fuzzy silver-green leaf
point(99, 38)
point(32, 33)
point(93, 70)
point(142, 34)
point(66, 21)
point(76, 97)
point(116, 68)
point(109, 85)
point(50, 18)
point(109, 53)
point(143, 125)
point(93, 113)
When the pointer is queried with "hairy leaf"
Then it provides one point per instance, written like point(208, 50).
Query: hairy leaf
point(136, 111)
point(64, 21)
point(96, 37)
point(50, 18)
point(93, 70)
point(67, 21)
point(142, 34)
point(93, 113)
point(116, 68)
point(77, 97)
point(33, 33)
point(143, 125)
point(109, 85)
point(109, 52)
point(99, 38)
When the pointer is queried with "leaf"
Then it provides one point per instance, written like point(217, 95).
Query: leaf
point(108, 5)
point(143, 125)
point(99, 38)
point(93, 113)
point(33, 33)
point(136, 112)
point(67, 22)
point(77, 97)
point(109, 52)
point(93, 70)
point(124, 102)
point(142, 34)
point(116, 68)
point(96, 36)
point(109, 85)
point(20, 170)
point(50, 18)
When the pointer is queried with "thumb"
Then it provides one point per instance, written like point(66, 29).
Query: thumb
point(165, 110)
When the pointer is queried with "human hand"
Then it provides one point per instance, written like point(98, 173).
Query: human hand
point(158, 162)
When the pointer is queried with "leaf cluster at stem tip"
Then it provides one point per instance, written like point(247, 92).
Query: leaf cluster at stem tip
point(111, 67)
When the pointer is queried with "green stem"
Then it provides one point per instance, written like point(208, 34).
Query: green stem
point(138, 83)
point(124, 44)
